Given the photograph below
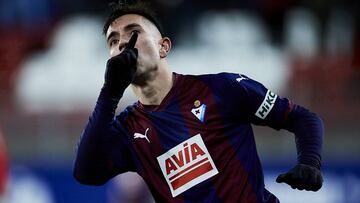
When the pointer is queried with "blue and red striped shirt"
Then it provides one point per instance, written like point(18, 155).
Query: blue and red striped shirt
point(196, 146)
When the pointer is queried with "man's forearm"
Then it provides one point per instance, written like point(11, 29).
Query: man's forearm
point(91, 164)
point(308, 129)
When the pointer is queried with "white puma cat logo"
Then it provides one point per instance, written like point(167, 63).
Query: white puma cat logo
point(139, 135)
point(240, 78)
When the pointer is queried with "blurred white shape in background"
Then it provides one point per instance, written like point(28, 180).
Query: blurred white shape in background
point(232, 42)
point(130, 188)
point(340, 31)
point(302, 33)
point(68, 77)
point(26, 187)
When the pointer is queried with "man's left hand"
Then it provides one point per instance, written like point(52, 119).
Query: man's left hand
point(302, 177)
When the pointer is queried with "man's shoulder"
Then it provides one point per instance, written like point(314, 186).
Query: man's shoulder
point(220, 83)
point(130, 109)
point(212, 76)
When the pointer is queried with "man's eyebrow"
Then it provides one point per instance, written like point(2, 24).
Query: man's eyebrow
point(112, 34)
point(126, 28)
point(131, 26)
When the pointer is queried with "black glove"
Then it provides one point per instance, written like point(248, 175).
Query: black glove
point(120, 69)
point(302, 177)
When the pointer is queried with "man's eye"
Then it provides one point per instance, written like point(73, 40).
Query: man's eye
point(135, 31)
point(113, 42)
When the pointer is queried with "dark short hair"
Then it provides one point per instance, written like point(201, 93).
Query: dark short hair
point(136, 7)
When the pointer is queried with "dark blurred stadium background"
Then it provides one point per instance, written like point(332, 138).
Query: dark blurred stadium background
point(52, 60)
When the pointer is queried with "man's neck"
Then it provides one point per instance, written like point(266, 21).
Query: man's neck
point(154, 91)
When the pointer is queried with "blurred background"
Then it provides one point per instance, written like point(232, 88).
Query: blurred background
point(52, 63)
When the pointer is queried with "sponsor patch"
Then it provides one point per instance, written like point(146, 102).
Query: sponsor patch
point(266, 105)
point(186, 165)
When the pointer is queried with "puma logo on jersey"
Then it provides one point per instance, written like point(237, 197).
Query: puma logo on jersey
point(186, 165)
point(266, 105)
point(239, 79)
point(139, 135)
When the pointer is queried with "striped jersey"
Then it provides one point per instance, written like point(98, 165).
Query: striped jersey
point(198, 144)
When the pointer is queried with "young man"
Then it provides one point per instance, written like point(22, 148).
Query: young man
point(189, 137)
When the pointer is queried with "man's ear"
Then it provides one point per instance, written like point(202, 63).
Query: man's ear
point(165, 48)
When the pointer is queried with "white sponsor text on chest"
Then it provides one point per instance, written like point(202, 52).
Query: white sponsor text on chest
point(186, 165)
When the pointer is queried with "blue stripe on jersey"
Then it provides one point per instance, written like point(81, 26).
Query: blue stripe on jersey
point(174, 134)
point(245, 146)
point(121, 119)
point(243, 151)
point(203, 192)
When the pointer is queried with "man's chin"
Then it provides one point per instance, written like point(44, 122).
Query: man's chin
point(142, 77)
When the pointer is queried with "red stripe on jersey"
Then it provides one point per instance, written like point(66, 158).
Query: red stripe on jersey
point(147, 153)
point(231, 172)
point(288, 111)
point(187, 169)
point(191, 175)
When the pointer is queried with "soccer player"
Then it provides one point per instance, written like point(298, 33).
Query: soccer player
point(188, 136)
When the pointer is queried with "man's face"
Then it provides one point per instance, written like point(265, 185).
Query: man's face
point(148, 42)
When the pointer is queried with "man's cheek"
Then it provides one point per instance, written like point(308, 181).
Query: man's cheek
point(114, 52)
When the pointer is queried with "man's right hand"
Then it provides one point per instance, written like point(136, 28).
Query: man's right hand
point(120, 69)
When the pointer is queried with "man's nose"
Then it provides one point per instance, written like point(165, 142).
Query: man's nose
point(123, 43)
point(122, 46)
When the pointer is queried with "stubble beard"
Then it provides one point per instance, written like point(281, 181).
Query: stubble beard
point(145, 75)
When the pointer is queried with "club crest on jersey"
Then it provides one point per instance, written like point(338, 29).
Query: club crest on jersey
point(266, 105)
point(199, 112)
point(186, 165)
